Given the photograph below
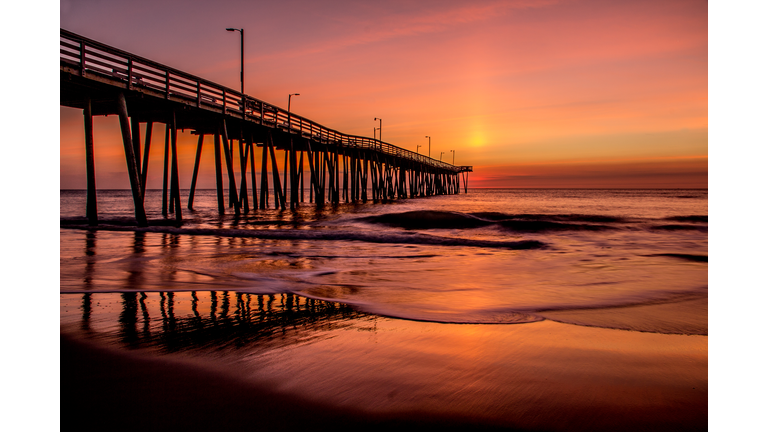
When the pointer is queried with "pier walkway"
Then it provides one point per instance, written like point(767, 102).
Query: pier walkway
point(102, 80)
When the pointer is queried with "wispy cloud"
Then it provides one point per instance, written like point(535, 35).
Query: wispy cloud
point(387, 26)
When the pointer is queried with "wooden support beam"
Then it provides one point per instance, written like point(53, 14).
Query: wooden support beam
point(301, 173)
point(233, 199)
point(90, 167)
point(217, 162)
point(345, 186)
point(361, 178)
point(311, 175)
point(352, 174)
point(324, 162)
point(136, 139)
point(381, 179)
point(145, 164)
point(253, 170)
point(279, 196)
point(458, 184)
point(294, 177)
point(372, 168)
point(411, 181)
point(401, 192)
point(314, 177)
point(336, 176)
point(130, 159)
point(166, 155)
point(243, 175)
point(264, 197)
point(175, 192)
point(364, 180)
point(329, 163)
point(199, 152)
point(285, 173)
point(374, 178)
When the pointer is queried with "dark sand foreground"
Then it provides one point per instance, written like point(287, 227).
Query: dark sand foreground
point(108, 389)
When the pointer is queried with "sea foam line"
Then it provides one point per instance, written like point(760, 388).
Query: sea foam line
point(372, 237)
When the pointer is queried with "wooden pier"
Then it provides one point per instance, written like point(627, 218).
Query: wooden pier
point(102, 80)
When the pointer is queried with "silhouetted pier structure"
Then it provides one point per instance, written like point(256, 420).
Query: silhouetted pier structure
point(102, 80)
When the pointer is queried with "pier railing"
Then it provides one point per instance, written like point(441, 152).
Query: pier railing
point(103, 62)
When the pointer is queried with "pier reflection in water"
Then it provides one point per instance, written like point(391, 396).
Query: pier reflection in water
point(209, 321)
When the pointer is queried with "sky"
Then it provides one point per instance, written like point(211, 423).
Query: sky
point(550, 93)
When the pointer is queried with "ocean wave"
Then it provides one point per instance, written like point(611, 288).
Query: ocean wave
point(511, 222)
point(425, 219)
point(694, 218)
point(370, 237)
point(688, 257)
point(678, 227)
point(542, 226)
point(497, 216)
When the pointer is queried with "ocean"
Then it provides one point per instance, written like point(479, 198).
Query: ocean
point(510, 307)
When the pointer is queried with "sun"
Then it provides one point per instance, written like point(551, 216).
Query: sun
point(477, 139)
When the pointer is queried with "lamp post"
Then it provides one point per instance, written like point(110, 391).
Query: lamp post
point(242, 67)
point(289, 108)
point(430, 146)
point(454, 157)
point(417, 148)
point(379, 128)
point(441, 156)
point(289, 101)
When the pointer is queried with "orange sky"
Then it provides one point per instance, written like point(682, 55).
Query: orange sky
point(531, 93)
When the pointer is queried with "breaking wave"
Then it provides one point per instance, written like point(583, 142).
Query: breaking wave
point(511, 222)
point(371, 237)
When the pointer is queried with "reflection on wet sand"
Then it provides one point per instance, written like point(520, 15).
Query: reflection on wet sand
point(178, 321)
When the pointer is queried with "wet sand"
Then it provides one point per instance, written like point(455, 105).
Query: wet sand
point(112, 389)
point(335, 368)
